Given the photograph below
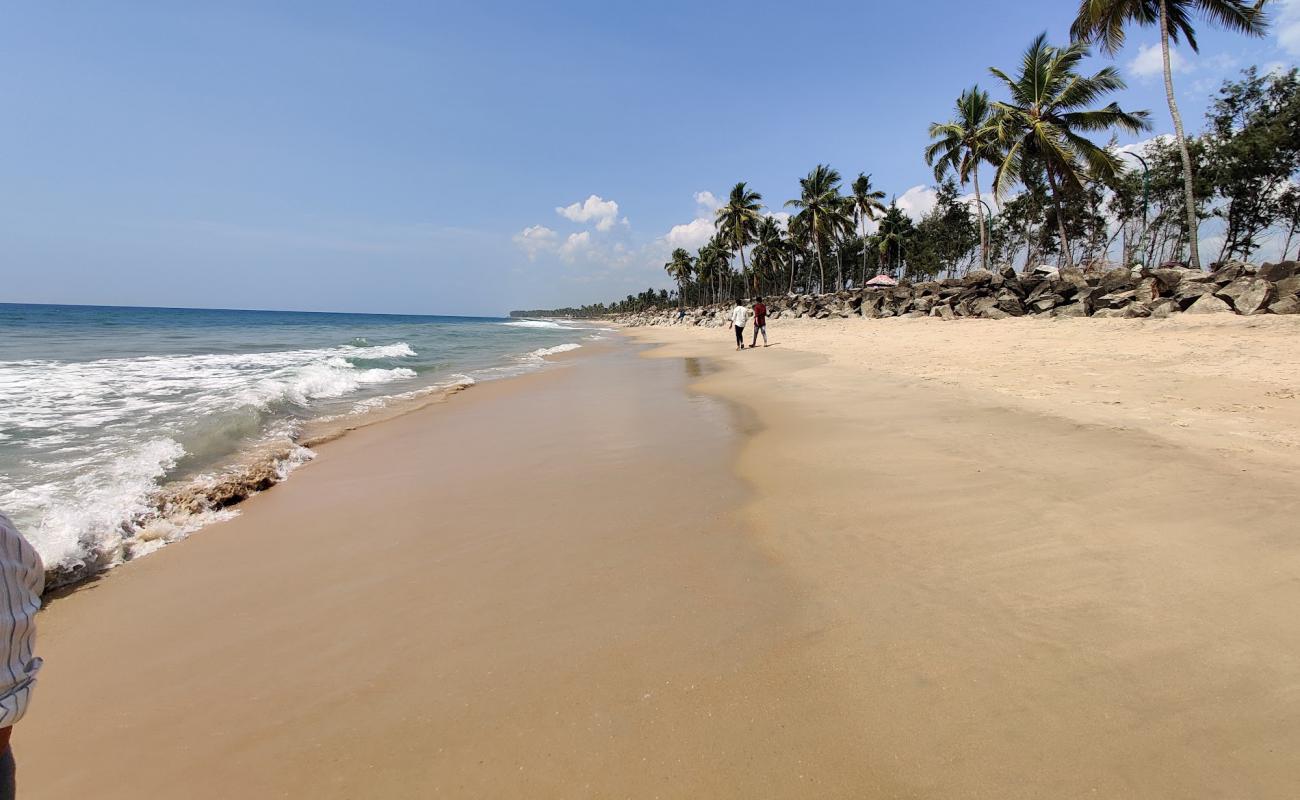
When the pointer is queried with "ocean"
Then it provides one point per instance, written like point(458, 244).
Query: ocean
point(124, 429)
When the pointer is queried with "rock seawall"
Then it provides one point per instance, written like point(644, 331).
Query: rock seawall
point(1233, 288)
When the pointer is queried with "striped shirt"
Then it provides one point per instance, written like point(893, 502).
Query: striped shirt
point(22, 578)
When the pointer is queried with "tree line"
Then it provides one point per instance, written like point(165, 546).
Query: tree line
point(1060, 194)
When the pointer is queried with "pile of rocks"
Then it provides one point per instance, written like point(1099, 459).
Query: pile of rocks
point(1233, 287)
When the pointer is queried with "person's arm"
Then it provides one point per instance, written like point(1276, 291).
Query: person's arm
point(23, 576)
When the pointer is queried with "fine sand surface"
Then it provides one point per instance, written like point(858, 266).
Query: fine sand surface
point(1054, 558)
point(892, 558)
point(539, 589)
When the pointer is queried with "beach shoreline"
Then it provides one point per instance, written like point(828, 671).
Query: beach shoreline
point(861, 573)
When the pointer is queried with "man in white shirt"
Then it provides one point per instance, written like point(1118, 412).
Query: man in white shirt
point(22, 579)
point(739, 315)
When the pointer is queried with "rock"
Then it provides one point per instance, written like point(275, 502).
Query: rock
point(1161, 309)
point(1287, 287)
point(977, 277)
point(1247, 295)
point(1116, 280)
point(1073, 276)
point(942, 311)
point(1209, 304)
point(1009, 302)
point(1289, 305)
point(1277, 272)
point(1114, 299)
point(1071, 310)
point(1169, 278)
point(1148, 289)
point(1007, 272)
point(1046, 303)
point(1189, 293)
point(1232, 270)
point(924, 304)
point(1109, 313)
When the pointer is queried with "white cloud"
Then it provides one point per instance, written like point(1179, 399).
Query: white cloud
point(1150, 63)
point(577, 244)
point(594, 209)
point(692, 235)
point(1288, 26)
point(707, 202)
point(535, 239)
point(917, 201)
point(782, 218)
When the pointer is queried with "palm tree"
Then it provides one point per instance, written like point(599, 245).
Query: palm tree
point(737, 221)
point(867, 202)
point(961, 144)
point(821, 210)
point(1105, 20)
point(1042, 126)
point(895, 231)
point(767, 250)
point(680, 268)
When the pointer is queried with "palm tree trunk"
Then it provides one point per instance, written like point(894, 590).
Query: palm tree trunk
point(839, 266)
point(979, 210)
point(744, 270)
point(1189, 195)
point(1060, 220)
point(821, 285)
point(792, 266)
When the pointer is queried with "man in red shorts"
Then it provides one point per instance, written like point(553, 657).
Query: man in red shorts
point(760, 321)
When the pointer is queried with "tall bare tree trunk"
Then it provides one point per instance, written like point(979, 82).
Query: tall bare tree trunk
point(1189, 194)
point(979, 211)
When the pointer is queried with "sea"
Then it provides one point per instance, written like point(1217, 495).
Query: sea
point(125, 429)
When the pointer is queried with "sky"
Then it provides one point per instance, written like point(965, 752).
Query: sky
point(477, 157)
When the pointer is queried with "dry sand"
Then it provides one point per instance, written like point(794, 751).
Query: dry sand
point(1055, 558)
point(1026, 558)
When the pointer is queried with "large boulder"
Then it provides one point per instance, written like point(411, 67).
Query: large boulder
point(1148, 289)
point(1277, 272)
point(1072, 277)
point(1232, 270)
point(1116, 299)
point(1247, 295)
point(1209, 304)
point(1115, 280)
point(1289, 305)
point(1189, 292)
point(1046, 302)
point(1287, 287)
point(1163, 308)
point(978, 277)
point(1070, 310)
point(1169, 278)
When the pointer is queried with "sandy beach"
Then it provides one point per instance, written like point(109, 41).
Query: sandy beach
point(902, 558)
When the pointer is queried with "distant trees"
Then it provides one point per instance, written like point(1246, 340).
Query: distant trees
point(1060, 194)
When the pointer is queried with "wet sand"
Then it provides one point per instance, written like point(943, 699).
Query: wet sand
point(539, 589)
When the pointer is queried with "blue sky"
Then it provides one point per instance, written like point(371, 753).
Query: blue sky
point(389, 157)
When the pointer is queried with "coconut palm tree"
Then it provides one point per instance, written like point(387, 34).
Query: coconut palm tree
point(892, 237)
point(961, 144)
point(1043, 123)
point(1105, 21)
point(768, 249)
point(821, 210)
point(680, 268)
point(737, 221)
point(867, 203)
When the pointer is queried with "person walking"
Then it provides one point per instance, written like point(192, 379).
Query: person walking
point(739, 315)
point(760, 322)
point(23, 577)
